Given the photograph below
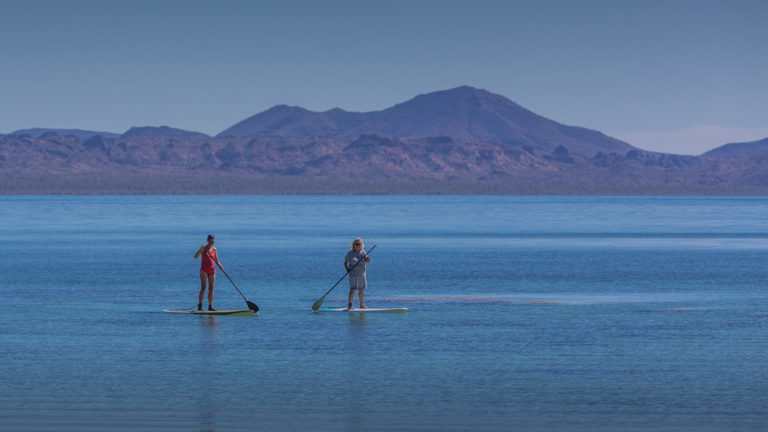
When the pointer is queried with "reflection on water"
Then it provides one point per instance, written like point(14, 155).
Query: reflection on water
point(358, 319)
point(209, 327)
point(359, 347)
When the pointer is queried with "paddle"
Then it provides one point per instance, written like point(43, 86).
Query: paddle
point(319, 301)
point(251, 306)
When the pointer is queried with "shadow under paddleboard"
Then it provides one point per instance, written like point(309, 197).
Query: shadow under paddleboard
point(239, 312)
point(343, 309)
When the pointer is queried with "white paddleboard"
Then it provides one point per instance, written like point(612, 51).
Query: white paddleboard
point(217, 312)
point(343, 309)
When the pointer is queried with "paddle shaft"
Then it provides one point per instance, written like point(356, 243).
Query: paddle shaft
point(230, 280)
point(320, 300)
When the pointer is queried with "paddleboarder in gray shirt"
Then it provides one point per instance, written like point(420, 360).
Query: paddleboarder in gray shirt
point(355, 263)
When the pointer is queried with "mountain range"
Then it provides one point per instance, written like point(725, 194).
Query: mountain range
point(463, 140)
point(463, 113)
point(79, 133)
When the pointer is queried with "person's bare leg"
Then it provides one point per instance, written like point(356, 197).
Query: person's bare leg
point(211, 283)
point(360, 295)
point(351, 297)
point(203, 280)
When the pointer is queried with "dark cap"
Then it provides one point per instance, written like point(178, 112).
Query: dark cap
point(211, 237)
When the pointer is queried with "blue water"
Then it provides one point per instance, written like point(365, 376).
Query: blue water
point(525, 314)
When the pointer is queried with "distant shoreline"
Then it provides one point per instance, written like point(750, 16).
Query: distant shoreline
point(152, 184)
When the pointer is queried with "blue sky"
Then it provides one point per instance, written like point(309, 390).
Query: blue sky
point(673, 76)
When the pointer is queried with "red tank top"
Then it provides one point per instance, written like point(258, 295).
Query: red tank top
point(206, 264)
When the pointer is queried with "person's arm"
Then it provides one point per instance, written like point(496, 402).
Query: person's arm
point(346, 264)
point(200, 251)
point(367, 258)
point(216, 258)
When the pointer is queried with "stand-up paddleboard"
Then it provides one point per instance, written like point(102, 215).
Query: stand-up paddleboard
point(241, 312)
point(343, 309)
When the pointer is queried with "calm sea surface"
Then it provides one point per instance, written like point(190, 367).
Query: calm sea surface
point(525, 314)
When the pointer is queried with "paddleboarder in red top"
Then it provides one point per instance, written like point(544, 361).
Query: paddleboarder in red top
point(207, 271)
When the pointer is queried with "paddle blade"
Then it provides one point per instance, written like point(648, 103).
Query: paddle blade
point(252, 306)
point(318, 303)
